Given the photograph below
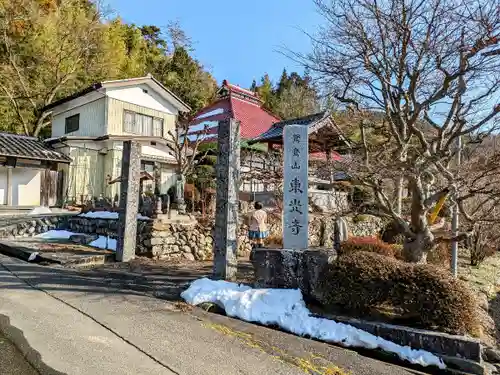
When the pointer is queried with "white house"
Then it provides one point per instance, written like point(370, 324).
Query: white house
point(90, 127)
point(28, 172)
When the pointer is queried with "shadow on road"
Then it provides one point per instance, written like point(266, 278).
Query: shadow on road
point(19, 360)
point(140, 276)
point(166, 281)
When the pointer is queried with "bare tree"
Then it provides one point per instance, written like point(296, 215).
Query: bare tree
point(431, 69)
point(42, 54)
point(184, 145)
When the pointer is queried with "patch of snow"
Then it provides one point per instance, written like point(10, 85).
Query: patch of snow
point(217, 111)
point(100, 242)
point(40, 211)
point(202, 126)
point(32, 256)
point(104, 242)
point(195, 137)
point(56, 235)
point(286, 308)
point(108, 215)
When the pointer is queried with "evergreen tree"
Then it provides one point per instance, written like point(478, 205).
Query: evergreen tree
point(266, 92)
point(283, 83)
point(52, 48)
point(293, 96)
point(253, 88)
point(186, 77)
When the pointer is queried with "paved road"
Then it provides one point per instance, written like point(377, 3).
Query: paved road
point(12, 361)
point(74, 324)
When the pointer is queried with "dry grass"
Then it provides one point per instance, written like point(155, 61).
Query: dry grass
point(183, 306)
point(312, 365)
point(484, 280)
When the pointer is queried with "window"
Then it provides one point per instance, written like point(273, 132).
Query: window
point(72, 123)
point(147, 125)
point(158, 127)
point(140, 124)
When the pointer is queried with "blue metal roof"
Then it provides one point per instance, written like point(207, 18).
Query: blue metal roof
point(276, 130)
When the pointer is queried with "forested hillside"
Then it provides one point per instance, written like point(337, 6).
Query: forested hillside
point(51, 48)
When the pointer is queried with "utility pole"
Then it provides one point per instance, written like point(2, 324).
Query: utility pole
point(454, 221)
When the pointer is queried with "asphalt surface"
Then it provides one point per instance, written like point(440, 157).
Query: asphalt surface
point(72, 323)
point(12, 361)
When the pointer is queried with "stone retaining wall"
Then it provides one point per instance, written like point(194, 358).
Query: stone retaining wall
point(188, 241)
point(178, 241)
point(166, 241)
point(321, 228)
point(31, 226)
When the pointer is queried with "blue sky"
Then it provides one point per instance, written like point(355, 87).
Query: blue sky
point(235, 39)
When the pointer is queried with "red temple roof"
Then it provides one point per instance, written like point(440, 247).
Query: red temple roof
point(243, 105)
point(237, 103)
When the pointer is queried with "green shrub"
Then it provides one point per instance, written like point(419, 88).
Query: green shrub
point(368, 244)
point(358, 283)
point(360, 218)
point(360, 196)
point(398, 251)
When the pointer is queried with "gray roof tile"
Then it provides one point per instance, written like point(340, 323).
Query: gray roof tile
point(20, 146)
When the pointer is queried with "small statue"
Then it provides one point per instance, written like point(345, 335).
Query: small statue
point(169, 212)
point(340, 233)
point(181, 205)
point(159, 205)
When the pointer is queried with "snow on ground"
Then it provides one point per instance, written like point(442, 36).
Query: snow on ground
point(56, 235)
point(286, 308)
point(104, 242)
point(40, 211)
point(100, 242)
point(108, 215)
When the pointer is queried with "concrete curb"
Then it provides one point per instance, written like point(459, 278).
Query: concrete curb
point(32, 356)
point(455, 365)
point(436, 342)
point(19, 253)
point(457, 352)
point(24, 254)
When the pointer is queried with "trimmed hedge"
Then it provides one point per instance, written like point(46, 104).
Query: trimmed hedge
point(368, 244)
point(360, 282)
point(440, 255)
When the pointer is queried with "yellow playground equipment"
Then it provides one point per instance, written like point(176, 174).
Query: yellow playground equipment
point(439, 205)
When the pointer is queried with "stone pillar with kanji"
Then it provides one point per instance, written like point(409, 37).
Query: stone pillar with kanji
point(295, 187)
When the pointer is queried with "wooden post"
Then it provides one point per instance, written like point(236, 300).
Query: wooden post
point(9, 186)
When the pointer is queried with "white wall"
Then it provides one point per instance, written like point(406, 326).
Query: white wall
point(157, 151)
point(136, 95)
point(25, 186)
point(167, 179)
point(329, 201)
point(3, 185)
point(92, 120)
